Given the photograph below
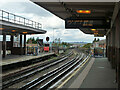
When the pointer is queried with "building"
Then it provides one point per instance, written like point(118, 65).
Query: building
point(101, 44)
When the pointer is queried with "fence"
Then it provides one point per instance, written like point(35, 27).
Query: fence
point(6, 16)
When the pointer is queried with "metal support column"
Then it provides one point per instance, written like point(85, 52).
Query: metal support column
point(4, 45)
point(21, 45)
point(12, 38)
point(24, 44)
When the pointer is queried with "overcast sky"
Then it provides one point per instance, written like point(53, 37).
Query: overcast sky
point(49, 21)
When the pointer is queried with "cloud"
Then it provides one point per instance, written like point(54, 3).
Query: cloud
point(49, 22)
point(23, 6)
point(76, 35)
point(28, 9)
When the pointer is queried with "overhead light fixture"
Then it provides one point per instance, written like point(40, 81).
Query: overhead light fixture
point(79, 11)
point(87, 11)
point(1, 28)
point(83, 11)
point(13, 30)
point(93, 29)
point(24, 32)
point(95, 33)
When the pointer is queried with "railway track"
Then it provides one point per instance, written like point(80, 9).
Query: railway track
point(59, 83)
point(22, 75)
point(51, 77)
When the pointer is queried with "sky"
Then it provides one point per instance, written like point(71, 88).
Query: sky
point(50, 22)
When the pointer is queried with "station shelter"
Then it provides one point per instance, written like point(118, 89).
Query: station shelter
point(16, 27)
point(100, 18)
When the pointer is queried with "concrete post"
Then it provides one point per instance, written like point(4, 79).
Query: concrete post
point(112, 56)
point(111, 36)
point(117, 44)
point(109, 46)
point(117, 49)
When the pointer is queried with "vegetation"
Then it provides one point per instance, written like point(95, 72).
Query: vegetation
point(33, 40)
point(96, 40)
point(87, 45)
point(65, 43)
point(57, 42)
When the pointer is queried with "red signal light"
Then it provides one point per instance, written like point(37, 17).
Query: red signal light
point(47, 39)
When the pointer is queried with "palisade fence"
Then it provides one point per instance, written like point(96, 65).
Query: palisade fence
point(6, 16)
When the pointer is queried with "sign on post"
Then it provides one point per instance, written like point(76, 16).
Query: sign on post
point(98, 35)
point(47, 39)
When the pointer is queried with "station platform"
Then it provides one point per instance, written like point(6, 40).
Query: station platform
point(97, 73)
point(12, 59)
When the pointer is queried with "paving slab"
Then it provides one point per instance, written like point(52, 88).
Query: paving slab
point(79, 80)
point(101, 75)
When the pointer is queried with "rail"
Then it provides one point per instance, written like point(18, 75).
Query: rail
point(6, 16)
point(31, 71)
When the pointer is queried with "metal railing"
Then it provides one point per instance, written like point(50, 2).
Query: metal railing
point(6, 16)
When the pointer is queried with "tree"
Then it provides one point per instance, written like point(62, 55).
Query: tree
point(34, 41)
point(37, 39)
point(29, 40)
point(94, 40)
point(98, 40)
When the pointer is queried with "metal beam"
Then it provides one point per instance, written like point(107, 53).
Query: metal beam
point(81, 1)
point(98, 7)
point(4, 45)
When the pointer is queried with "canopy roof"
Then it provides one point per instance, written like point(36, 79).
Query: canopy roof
point(14, 24)
point(102, 11)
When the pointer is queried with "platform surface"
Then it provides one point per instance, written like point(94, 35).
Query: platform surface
point(97, 74)
point(19, 58)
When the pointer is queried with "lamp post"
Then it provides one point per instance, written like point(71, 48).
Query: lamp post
point(53, 33)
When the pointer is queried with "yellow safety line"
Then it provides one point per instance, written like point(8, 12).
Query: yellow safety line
point(73, 73)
